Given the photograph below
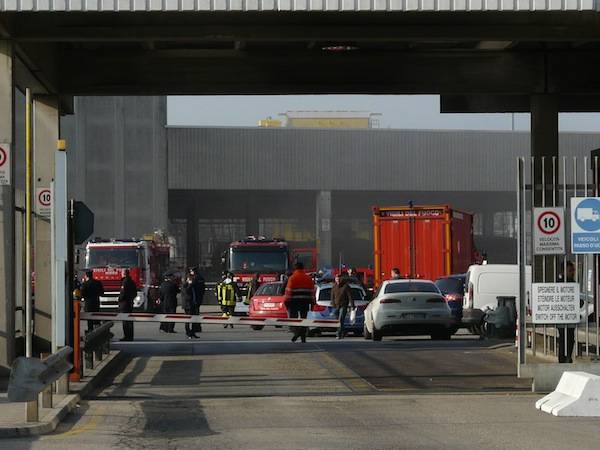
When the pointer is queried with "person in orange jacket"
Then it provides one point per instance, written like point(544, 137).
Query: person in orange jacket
point(299, 296)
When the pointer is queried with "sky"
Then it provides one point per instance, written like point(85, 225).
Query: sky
point(398, 111)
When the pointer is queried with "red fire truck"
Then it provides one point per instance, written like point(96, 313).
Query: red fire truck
point(147, 260)
point(270, 258)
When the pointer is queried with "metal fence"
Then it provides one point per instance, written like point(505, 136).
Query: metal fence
point(553, 182)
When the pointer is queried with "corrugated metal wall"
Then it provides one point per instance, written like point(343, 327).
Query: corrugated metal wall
point(374, 160)
point(117, 162)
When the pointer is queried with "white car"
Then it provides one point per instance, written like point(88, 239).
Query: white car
point(408, 307)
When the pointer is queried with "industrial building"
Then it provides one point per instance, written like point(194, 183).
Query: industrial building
point(313, 187)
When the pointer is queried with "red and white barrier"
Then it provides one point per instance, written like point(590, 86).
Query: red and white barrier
point(207, 319)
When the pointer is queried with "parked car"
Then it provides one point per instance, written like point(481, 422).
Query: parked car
point(483, 284)
point(453, 289)
point(323, 309)
point(269, 301)
point(408, 307)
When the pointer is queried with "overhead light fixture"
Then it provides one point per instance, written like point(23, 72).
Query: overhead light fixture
point(339, 48)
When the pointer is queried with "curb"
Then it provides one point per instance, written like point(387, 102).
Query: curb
point(52, 419)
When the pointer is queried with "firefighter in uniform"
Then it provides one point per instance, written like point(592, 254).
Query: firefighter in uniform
point(227, 295)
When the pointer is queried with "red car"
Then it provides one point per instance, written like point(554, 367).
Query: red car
point(269, 301)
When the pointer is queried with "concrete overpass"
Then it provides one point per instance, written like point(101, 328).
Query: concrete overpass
point(479, 55)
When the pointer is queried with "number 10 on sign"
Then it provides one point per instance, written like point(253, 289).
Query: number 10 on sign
point(548, 231)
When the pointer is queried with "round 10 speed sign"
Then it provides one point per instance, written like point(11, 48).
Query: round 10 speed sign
point(548, 231)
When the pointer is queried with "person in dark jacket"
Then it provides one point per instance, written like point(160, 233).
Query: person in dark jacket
point(252, 288)
point(127, 294)
point(168, 298)
point(91, 291)
point(341, 299)
point(193, 296)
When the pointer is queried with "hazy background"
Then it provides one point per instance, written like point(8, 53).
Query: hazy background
point(398, 111)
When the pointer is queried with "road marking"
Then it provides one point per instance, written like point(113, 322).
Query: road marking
point(90, 425)
point(343, 373)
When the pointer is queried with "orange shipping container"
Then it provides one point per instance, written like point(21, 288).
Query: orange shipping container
point(425, 242)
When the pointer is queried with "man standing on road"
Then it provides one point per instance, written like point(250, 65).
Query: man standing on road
point(91, 291)
point(198, 286)
point(193, 296)
point(168, 297)
point(299, 296)
point(395, 274)
point(126, 296)
point(341, 298)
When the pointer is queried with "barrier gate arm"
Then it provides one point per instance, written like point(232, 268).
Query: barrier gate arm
point(207, 319)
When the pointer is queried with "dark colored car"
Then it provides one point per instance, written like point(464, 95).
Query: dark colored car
point(453, 290)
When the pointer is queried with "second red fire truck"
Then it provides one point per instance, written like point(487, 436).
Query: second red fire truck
point(147, 260)
point(269, 258)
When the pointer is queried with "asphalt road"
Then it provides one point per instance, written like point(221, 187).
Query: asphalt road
point(254, 389)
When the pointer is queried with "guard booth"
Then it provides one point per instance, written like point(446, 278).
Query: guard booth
point(559, 237)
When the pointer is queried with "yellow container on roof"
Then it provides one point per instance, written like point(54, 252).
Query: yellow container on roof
point(269, 123)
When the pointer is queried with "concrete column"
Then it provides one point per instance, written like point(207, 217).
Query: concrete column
point(7, 208)
point(544, 125)
point(324, 245)
point(544, 143)
point(544, 135)
point(119, 167)
point(45, 135)
point(159, 155)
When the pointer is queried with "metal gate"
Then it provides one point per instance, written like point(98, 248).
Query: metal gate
point(553, 182)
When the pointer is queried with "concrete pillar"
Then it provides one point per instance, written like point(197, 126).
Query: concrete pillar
point(544, 143)
point(544, 125)
point(45, 135)
point(324, 244)
point(544, 135)
point(159, 154)
point(119, 168)
point(7, 207)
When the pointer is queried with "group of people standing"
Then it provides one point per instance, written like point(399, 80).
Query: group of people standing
point(299, 297)
point(192, 297)
point(91, 290)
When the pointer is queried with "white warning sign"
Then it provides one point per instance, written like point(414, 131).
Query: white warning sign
point(43, 201)
point(548, 231)
point(4, 164)
point(555, 303)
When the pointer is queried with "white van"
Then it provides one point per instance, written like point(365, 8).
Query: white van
point(484, 283)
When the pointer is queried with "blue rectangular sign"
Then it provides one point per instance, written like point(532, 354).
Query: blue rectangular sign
point(585, 225)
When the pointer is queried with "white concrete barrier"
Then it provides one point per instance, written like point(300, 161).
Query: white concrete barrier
point(577, 394)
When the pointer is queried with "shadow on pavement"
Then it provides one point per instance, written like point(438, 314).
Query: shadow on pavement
point(177, 417)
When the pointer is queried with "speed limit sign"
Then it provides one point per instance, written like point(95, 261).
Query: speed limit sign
point(548, 231)
point(43, 201)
